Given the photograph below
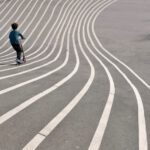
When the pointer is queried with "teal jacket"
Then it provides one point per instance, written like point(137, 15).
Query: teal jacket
point(14, 37)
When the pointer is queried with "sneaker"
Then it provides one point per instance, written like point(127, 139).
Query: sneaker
point(18, 62)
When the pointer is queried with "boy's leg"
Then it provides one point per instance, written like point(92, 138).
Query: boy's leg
point(22, 52)
point(18, 60)
point(18, 53)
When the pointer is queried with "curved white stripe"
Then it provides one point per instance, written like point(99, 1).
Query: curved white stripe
point(98, 136)
point(60, 27)
point(143, 145)
point(16, 20)
point(26, 17)
point(34, 143)
point(37, 140)
point(14, 111)
point(35, 98)
point(2, 3)
point(38, 10)
point(95, 144)
point(12, 15)
point(48, 55)
point(47, 36)
point(42, 76)
point(39, 37)
point(122, 63)
point(8, 6)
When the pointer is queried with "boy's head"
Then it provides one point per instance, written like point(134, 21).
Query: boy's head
point(14, 26)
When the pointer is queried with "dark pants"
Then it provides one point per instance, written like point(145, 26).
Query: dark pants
point(18, 49)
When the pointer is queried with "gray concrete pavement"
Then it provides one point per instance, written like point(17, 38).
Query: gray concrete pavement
point(71, 94)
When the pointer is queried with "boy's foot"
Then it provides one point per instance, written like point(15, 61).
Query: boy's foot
point(18, 62)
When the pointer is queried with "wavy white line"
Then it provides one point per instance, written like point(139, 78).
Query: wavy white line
point(143, 144)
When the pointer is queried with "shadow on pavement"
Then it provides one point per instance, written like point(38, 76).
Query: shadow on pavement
point(144, 38)
point(4, 64)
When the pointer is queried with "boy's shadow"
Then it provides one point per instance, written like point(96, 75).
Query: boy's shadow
point(4, 64)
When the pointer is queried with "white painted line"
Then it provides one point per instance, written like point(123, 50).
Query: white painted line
point(12, 5)
point(37, 97)
point(62, 18)
point(57, 38)
point(37, 11)
point(26, 17)
point(49, 62)
point(61, 12)
point(51, 52)
point(38, 37)
point(98, 136)
point(12, 14)
point(55, 121)
point(19, 16)
point(31, 80)
point(2, 5)
point(105, 50)
point(47, 36)
point(38, 139)
point(143, 144)
point(14, 111)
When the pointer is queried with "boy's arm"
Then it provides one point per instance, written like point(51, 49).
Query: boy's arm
point(21, 36)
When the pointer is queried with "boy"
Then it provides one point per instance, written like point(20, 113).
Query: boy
point(14, 40)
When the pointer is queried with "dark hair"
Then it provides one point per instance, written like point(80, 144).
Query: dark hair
point(14, 26)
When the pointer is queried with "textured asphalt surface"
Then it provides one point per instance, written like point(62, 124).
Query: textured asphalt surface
point(86, 82)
